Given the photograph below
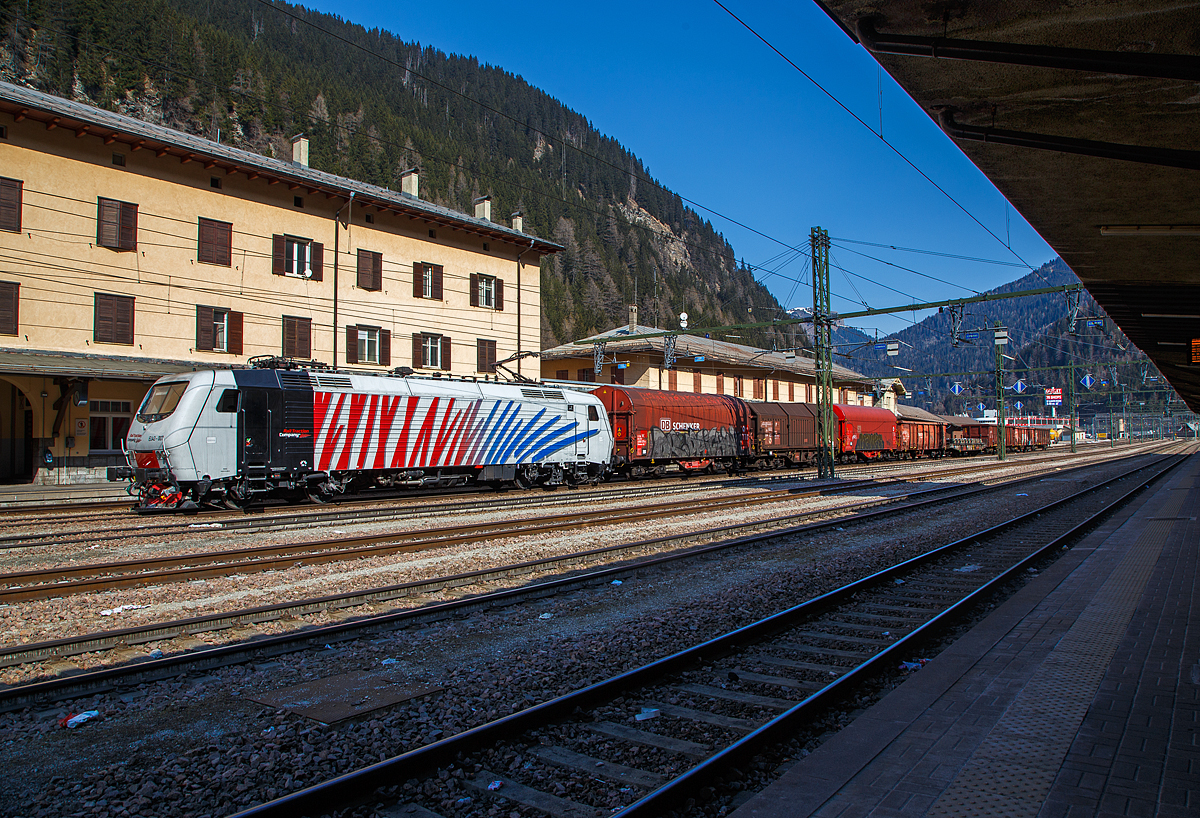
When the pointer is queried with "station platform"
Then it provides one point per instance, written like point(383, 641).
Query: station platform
point(18, 495)
point(1078, 696)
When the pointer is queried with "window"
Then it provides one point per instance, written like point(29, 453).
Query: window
point(791, 392)
point(697, 381)
point(720, 383)
point(116, 224)
point(292, 256)
point(431, 351)
point(487, 291)
point(218, 330)
point(738, 388)
point(561, 374)
point(113, 319)
point(617, 376)
point(774, 390)
point(119, 160)
point(108, 424)
point(214, 244)
point(9, 301)
point(427, 280)
point(10, 204)
point(585, 375)
point(485, 355)
point(297, 337)
point(370, 270)
point(672, 380)
point(161, 401)
point(214, 182)
point(228, 402)
point(368, 345)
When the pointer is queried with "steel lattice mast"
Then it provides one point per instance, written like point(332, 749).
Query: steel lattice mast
point(822, 323)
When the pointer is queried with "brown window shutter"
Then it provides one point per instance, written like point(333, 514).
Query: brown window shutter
point(697, 382)
point(474, 289)
point(364, 269)
point(108, 220)
point(289, 337)
point(499, 295)
point(223, 243)
point(102, 320)
point(10, 204)
point(418, 275)
point(277, 251)
point(234, 339)
point(317, 260)
point(446, 352)
point(123, 320)
point(128, 226)
point(377, 271)
point(437, 282)
point(204, 327)
point(385, 347)
point(672, 380)
point(9, 307)
point(418, 358)
point(351, 344)
point(215, 244)
point(481, 355)
point(204, 243)
point(303, 337)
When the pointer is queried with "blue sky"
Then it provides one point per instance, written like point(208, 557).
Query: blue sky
point(720, 119)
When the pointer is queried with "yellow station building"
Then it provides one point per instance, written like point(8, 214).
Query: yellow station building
point(129, 251)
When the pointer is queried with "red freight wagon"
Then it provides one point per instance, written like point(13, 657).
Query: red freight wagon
point(656, 431)
point(917, 438)
point(865, 430)
point(784, 432)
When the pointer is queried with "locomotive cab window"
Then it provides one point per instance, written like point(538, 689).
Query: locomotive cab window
point(161, 402)
point(593, 414)
point(228, 402)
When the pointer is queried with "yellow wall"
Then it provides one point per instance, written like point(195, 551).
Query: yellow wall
point(647, 371)
point(59, 267)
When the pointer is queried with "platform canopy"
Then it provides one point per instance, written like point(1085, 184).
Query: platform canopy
point(1086, 116)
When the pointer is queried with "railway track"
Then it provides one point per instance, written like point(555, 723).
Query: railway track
point(84, 529)
point(547, 576)
point(697, 715)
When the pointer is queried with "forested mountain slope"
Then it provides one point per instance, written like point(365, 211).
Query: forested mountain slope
point(374, 106)
point(1040, 339)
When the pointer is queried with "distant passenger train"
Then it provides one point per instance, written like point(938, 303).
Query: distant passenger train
point(279, 432)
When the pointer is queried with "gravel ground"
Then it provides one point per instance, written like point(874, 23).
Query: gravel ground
point(201, 746)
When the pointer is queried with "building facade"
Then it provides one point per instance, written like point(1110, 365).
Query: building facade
point(130, 251)
point(700, 365)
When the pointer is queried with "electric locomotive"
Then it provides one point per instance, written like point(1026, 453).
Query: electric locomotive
point(243, 436)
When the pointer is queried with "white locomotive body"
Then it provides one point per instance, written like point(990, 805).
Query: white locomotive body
point(244, 435)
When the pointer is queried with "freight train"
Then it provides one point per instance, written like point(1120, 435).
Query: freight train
point(277, 432)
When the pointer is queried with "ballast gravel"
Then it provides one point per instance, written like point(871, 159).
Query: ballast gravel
point(200, 745)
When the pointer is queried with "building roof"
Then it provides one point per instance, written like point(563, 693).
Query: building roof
point(85, 119)
point(52, 364)
point(690, 346)
point(915, 413)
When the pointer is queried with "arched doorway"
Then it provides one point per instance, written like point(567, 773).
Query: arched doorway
point(16, 435)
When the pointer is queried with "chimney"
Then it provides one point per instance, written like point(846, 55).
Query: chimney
point(408, 182)
point(633, 318)
point(518, 221)
point(483, 208)
point(300, 150)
